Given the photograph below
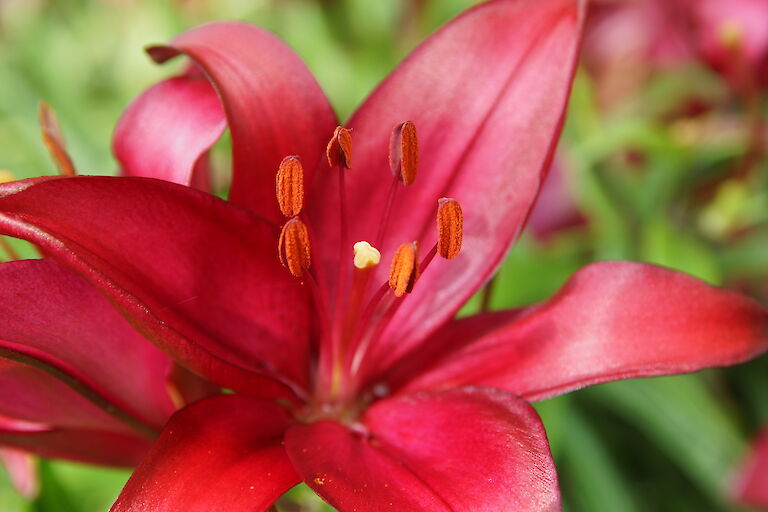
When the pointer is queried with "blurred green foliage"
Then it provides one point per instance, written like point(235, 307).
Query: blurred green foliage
point(653, 185)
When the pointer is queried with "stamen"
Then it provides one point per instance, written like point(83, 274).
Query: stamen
point(450, 227)
point(366, 255)
point(339, 149)
point(404, 152)
point(404, 270)
point(294, 248)
point(290, 186)
point(6, 176)
point(54, 140)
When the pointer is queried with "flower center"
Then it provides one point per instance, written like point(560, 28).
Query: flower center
point(352, 324)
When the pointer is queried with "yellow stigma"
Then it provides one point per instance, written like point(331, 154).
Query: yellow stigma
point(6, 176)
point(366, 255)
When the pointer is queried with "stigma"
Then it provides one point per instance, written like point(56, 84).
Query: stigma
point(366, 255)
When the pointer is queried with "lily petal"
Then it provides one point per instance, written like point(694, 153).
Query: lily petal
point(55, 318)
point(752, 482)
point(610, 321)
point(221, 454)
point(487, 94)
point(168, 128)
point(458, 450)
point(274, 106)
point(40, 395)
point(197, 276)
point(90, 446)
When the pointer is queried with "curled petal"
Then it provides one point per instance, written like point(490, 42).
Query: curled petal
point(613, 320)
point(468, 449)
point(274, 106)
point(167, 129)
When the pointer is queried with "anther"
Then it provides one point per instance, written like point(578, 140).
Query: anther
point(450, 227)
point(404, 152)
point(404, 270)
point(294, 248)
point(366, 255)
point(54, 140)
point(290, 186)
point(339, 150)
point(6, 176)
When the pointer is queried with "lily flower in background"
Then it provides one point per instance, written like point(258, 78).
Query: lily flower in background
point(732, 36)
point(555, 209)
point(752, 481)
point(324, 292)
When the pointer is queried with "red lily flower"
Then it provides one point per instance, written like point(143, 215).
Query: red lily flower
point(752, 482)
point(375, 397)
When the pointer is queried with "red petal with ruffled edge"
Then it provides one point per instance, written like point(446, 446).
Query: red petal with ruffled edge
point(55, 318)
point(487, 94)
point(752, 481)
point(221, 454)
point(274, 106)
point(196, 275)
point(168, 128)
point(459, 450)
point(611, 321)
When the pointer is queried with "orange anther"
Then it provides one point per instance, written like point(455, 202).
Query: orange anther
point(294, 248)
point(450, 227)
point(339, 150)
point(53, 139)
point(404, 270)
point(290, 186)
point(404, 152)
